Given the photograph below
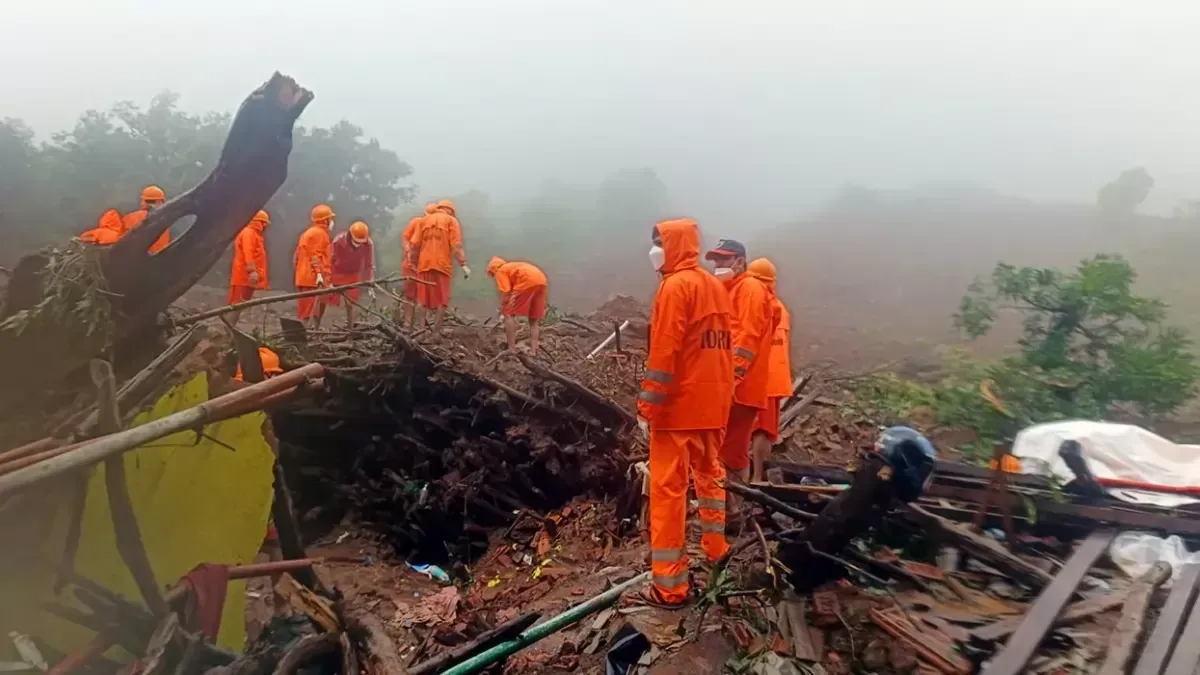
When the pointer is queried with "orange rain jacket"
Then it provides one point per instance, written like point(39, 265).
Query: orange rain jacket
point(754, 322)
point(436, 242)
point(250, 253)
point(134, 219)
point(516, 277)
point(270, 364)
point(689, 373)
point(406, 267)
point(107, 231)
point(312, 256)
point(779, 372)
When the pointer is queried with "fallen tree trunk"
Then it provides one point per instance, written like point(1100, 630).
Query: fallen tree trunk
point(65, 307)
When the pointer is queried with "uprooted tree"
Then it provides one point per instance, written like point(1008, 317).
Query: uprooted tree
point(65, 306)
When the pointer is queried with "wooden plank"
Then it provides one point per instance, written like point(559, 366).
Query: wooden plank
point(1170, 620)
point(1186, 655)
point(1074, 613)
point(1013, 659)
point(1129, 629)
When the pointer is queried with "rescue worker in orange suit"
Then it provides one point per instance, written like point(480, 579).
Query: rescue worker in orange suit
point(522, 288)
point(753, 328)
point(311, 264)
point(352, 261)
point(152, 198)
point(406, 268)
point(249, 272)
point(107, 231)
point(436, 244)
point(779, 374)
point(270, 364)
point(683, 406)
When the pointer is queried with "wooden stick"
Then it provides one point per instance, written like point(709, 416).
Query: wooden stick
point(621, 415)
point(116, 484)
point(91, 452)
point(768, 501)
point(981, 547)
point(194, 318)
point(1129, 628)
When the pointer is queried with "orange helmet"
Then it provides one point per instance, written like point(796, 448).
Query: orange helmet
point(762, 268)
point(152, 194)
point(431, 207)
point(359, 232)
point(446, 204)
point(321, 213)
point(270, 362)
point(261, 217)
point(493, 265)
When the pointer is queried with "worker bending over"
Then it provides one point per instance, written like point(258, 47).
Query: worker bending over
point(683, 406)
point(152, 198)
point(522, 288)
point(436, 244)
point(311, 263)
point(352, 261)
point(407, 269)
point(753, 325)
point(779, 374)
point(108, 229)
point(270, 365)
point(249, 272)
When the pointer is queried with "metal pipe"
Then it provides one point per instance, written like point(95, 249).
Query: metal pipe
point(97, 450)
point(608, 340)
point(505, 649)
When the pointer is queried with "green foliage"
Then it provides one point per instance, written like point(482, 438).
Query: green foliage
point(73, 292)
point(1088, 344)
point(53, 190)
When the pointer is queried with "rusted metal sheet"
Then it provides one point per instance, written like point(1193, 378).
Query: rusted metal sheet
point(1024, 642)
point(1170, 620)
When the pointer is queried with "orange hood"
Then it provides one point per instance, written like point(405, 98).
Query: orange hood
point(431, 207)
point(111, 220)
point(493, 265)
point(680, 243)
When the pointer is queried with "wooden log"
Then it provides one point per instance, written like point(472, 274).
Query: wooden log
point(373, 640)
point(1128, 632)
point(980, 547)
point(309, 648)
point(138, 285)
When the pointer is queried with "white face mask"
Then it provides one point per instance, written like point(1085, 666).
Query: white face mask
point(658, 257)
point(723, 272)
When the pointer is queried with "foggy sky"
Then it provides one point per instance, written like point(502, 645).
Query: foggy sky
point(752, 112)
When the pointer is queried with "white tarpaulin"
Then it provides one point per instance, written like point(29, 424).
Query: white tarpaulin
point(1113, 451)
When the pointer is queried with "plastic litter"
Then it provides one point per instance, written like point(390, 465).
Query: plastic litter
point(1134, 553)
point(432, 571)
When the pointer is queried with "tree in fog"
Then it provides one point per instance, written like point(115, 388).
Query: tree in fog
point(54, 190)
point(1122, 196)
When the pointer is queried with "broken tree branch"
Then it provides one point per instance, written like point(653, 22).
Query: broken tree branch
point(603, 408)
point(980, 547)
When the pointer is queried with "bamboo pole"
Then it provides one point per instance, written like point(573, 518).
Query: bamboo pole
point(101, 448)
point(237, 307)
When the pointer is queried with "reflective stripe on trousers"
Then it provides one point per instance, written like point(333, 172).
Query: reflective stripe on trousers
point(672, 455)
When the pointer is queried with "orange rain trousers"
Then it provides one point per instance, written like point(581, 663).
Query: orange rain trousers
point(735, 450)
point(768, 419)
point(307, 307)
point(672, 454)
point(435, 292)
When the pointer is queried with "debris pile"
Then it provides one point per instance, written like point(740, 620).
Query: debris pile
point(437, 443)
